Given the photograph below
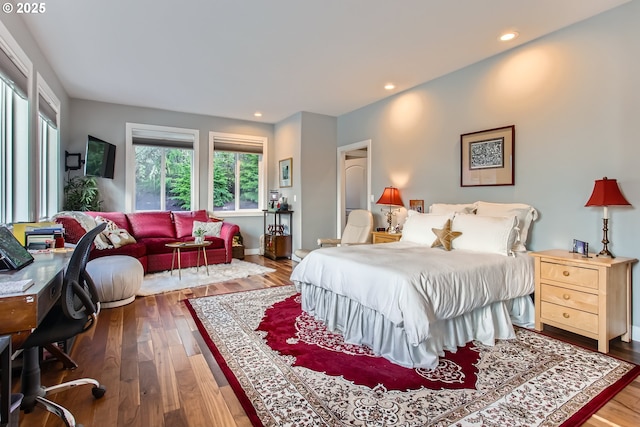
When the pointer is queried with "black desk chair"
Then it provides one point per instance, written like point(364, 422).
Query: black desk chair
point(77, 312)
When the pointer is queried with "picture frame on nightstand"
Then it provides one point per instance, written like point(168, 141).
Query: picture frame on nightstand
point(580, 247)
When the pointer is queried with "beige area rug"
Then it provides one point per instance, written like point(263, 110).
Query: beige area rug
point(157, 283)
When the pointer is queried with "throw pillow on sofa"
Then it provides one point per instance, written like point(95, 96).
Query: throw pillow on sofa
point(116, 237)
point(210, 228)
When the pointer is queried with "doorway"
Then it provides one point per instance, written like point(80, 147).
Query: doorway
point(354, 180)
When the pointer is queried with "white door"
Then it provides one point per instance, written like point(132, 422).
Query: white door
point(355, 185)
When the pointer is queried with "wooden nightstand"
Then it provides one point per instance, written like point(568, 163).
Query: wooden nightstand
point(384, 237)
point(587, 296)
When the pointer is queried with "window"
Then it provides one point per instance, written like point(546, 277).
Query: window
point(48, 150)
point(14, 137)
point(164, 168)
point(236, 173)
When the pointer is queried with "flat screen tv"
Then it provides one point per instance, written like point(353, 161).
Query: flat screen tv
point(100, 158)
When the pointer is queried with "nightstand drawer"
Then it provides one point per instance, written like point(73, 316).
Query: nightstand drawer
point(570, 317)
point(579, 276)
point(570, 298)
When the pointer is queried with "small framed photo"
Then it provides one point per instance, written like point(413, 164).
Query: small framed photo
point(486, 157)
point(286, 172)
point(416, 205)
point(581, 247)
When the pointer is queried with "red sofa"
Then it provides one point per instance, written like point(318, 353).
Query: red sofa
point(152, 231)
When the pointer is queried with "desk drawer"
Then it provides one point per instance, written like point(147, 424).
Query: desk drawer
point(569, 298)
point(570, 317)
point(578, 276)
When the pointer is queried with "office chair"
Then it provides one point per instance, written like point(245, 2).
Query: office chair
point(356, 232)
point(77, 312)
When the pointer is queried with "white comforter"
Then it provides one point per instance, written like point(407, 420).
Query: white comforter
point(413, 285)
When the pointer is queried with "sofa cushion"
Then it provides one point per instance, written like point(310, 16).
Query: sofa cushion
point(136, 250)
point(118, 217)
point(151, 224)
point(157, 245)
point(184, 221)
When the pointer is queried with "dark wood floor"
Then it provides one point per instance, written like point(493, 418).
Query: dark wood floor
point(159, 372)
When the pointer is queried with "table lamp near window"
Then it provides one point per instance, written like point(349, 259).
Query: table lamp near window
point(390, 197)
point(606, 193)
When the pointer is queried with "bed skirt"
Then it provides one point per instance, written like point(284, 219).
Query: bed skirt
point(362, 325)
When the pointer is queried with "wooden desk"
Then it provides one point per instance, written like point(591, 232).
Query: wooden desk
point(22, 311)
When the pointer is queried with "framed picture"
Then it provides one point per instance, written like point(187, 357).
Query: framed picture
point(286, 172)
point(416, 205)
point(486, 157)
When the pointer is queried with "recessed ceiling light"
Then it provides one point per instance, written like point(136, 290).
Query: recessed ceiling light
point(257, 114)
point(508, 36)
point(389, 86)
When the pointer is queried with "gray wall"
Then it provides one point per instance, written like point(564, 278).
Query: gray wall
point(107, 121)
point(574, 99)
point(310, 139)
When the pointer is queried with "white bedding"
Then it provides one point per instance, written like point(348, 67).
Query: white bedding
point(412, 286)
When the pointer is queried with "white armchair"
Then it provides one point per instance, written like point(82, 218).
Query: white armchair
point(356, 232)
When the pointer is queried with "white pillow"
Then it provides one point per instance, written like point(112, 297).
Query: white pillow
point(417, 227)
point(211, 228)
point(450, 209)
point(526, 215)
point(485, 233)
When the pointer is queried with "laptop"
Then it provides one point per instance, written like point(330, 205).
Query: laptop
point(13, 256)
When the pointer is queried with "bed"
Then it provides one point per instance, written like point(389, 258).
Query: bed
point(409, 302)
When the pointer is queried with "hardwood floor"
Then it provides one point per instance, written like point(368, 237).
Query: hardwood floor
point(159, 372)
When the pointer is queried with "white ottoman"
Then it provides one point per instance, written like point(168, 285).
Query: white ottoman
point(117, 277)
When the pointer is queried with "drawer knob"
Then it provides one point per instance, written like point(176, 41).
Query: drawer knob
point(566, 296)
point(565, 273)
point(565, 315)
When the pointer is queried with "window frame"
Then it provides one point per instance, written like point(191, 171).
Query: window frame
point(130, 161)
point(49, 157)
point(262, 171)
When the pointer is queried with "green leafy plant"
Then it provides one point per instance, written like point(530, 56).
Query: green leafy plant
point(82, 194)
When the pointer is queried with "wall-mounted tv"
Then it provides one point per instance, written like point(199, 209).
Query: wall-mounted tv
point(100, 158)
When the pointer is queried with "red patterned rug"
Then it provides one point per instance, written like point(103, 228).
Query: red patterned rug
point(287, 369)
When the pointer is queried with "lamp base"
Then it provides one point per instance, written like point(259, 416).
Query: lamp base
point(604, 253)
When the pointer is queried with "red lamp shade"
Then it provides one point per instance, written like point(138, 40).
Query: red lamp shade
point(606, 193)
point(391, 197)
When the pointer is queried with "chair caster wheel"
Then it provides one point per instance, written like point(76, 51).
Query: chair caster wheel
point(98, 392)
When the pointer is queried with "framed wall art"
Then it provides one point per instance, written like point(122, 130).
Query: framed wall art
point(286, 172)
point(416, 205)
point(487, 157)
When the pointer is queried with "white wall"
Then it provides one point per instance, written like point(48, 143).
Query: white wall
point(574, 99)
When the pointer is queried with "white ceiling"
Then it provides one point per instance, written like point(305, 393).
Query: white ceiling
point(231, 58)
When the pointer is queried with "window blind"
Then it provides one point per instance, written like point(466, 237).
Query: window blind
point(47, 111)
point(237, 146)
point(13, 75)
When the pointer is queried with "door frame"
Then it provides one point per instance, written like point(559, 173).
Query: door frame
point(342, 188)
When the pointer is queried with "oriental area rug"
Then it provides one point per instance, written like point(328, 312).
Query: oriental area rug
point(287, 369)
point(192, 277)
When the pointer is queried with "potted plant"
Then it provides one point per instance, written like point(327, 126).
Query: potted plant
point(82, 194)
point(199, 235)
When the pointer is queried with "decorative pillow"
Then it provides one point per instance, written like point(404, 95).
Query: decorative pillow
point(211, 228)
point(444, 236)
point(184, 221)
point(526, 215)
point(102, 240)
point(485, 233)
point(451, 209)
point(119, 237)
point(418, 228)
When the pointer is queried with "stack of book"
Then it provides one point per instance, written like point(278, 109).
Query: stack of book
point(37, 238)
